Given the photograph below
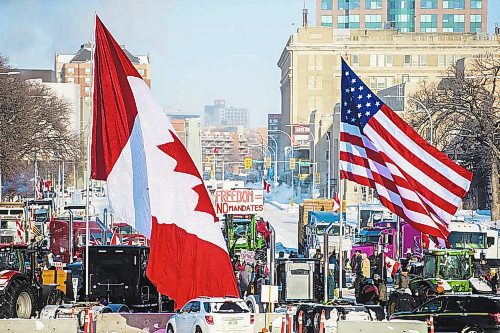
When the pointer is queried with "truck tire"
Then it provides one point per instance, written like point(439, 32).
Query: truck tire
point(18, 301)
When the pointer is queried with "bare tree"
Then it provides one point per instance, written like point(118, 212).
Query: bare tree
point(465, 108)
point(34, 125)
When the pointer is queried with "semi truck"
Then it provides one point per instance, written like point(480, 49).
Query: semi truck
point(383, 238)
point(481, 239)
point(9, 213)
point(307, 206)
point(318, 222)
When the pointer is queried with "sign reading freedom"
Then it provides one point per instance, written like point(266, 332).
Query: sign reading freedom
point(239, 201)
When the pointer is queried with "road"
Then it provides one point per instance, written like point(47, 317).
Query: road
point(284, 223)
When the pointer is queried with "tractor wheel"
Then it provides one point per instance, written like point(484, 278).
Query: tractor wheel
point(18, 301)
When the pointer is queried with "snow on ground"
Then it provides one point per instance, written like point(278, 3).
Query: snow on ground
point(284, 219)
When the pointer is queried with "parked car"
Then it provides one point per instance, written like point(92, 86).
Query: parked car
point(459, 313)
point(212, 315)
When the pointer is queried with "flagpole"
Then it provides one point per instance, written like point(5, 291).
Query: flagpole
point(341, 197)
point(87, 172)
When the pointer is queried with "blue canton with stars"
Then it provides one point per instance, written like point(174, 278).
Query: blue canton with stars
point(359, 103)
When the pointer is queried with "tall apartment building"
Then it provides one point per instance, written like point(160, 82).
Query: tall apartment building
point(310, 74)
point(220, 115)
point(404, 15)
point(77, 68)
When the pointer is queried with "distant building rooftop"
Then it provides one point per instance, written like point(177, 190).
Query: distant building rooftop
point(45, 75)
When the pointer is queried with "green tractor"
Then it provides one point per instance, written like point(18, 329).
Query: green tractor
point(241, 234)
point(445, 271)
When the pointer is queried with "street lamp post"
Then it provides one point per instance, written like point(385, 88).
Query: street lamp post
point(425, 109)
point(291, 145)
point(314, 161)
point(275, 161)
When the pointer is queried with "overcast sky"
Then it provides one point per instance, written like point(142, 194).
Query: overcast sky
point(200, 50)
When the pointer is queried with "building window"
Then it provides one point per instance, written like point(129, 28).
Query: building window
point(354, 21)
point(326, 20)
point(373, 21)
point(71, 70)
point(476, 4)
point(349, 4)
point(326, 4)
point(454, 4)
point(380, 60)
point(453, 23)
point(141, 72)
point(373, 4)
point(428, 4)
point(71, 80)
point(314, 82)
point(423, 60)
point(355, 60)
point(342, 22)
point(476, 23)
point(428, 23)
point(87, 90)
point(88, 80)
point(407, 60)
point(87, 70)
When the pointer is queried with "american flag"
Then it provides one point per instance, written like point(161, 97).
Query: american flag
point(378, 149)
point(20, 230)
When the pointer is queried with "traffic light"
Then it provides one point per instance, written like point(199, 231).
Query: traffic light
point(317, 178)
point(268, 162)
point(292, 164)
point(247, 163)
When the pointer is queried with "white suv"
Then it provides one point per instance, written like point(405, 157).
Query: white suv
point(215, 314)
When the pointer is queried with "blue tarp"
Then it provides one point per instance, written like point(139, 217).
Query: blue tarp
point(324, 217)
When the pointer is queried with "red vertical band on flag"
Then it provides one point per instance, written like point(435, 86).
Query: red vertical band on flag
point(114, 104)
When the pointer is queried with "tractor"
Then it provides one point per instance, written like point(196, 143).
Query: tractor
point(25, 287)
point(241, 232)
point(445, 271)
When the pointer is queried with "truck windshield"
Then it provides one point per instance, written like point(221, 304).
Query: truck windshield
point(430, 266)
point(369, 239)
point(9, 260)
point(470, 240)
point(454, 267)
point(320, 229)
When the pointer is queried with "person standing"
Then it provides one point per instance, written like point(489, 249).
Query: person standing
point(374, 262)
point(382, 290)
point(365, 266)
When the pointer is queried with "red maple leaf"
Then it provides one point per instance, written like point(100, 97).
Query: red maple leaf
point(185, 164)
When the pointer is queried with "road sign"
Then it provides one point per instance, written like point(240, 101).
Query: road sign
point(292, 164)
point(305, 163)
point(268, 162)
point(247, 163)
point(317, 178)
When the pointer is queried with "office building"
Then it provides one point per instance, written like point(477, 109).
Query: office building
point(220, 115)
point(404, 15)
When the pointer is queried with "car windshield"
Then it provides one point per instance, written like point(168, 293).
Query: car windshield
point(472, 240)
point(454, 267)
point(226, 307)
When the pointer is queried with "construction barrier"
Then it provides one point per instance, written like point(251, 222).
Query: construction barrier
point(403, 326)
point(131, 322)
point(39, 325)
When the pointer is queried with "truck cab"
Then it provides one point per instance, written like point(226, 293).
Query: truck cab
point(318, 222)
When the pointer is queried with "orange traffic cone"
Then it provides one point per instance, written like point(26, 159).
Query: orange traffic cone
point(322, 322)
point(431, 324)
point(283, 324)
point(300, 321)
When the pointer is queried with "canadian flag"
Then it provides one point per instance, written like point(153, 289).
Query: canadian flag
point(152, 181)
point(391, 266)
point(266, 186)
point(115, 240)
point(335, 203)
